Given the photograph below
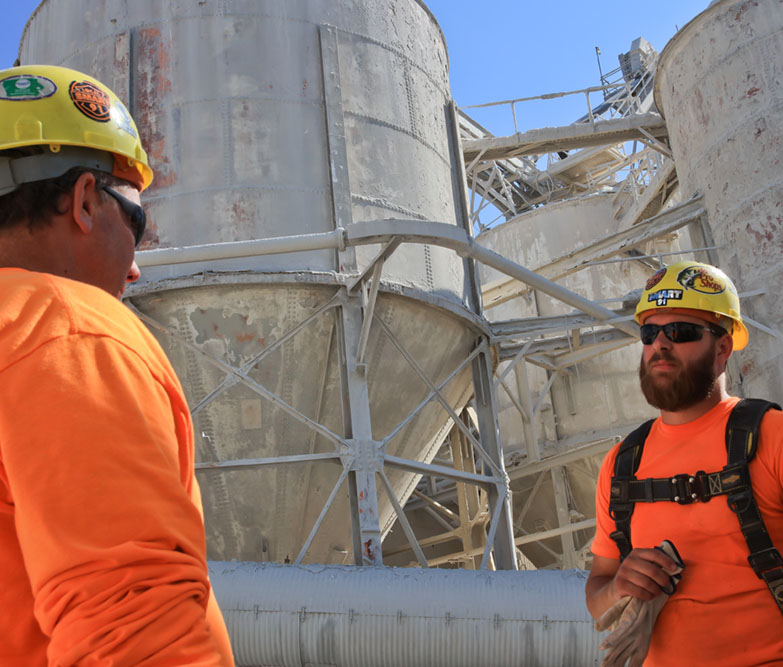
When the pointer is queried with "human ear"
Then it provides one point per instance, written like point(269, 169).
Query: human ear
point(84, 199)
point(724, 348)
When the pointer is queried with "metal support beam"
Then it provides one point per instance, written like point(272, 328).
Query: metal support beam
point(433, 469)
point(578, 135)
point(384, 254)
point(603, 443)
point(439, 397)
point(362, 489)
point(499, 496)
point(587, 524)
point(369, 311)
point(439, 507)
point(529, 427)
point(560, 486)
point(504, 289)
point(406, 526)
point(393, 433)
point(471, 533)
point(242, 464)
point(410, 231)
point(459, 186)
point(335, 134)
point(529, 501)
point(321, 516)
point(555, 349)
point(530, 327)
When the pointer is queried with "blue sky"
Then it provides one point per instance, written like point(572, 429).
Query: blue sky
point(504, 49)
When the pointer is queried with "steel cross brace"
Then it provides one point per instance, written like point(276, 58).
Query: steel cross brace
point(231, 380)
point(439, 397)
point(429, 397)
point(247, 381)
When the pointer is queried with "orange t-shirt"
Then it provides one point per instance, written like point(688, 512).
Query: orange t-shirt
point(102, 552)
point(722, 614)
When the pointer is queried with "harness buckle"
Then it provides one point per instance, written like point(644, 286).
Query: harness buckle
point(686, 489)
point(620, 511)
point(740, 502)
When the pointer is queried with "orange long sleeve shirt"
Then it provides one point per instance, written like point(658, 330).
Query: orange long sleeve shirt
point(722, 614)
point(102, 552)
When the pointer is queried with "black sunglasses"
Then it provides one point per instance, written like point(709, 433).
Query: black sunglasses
point(678, 332)
point(135, 213)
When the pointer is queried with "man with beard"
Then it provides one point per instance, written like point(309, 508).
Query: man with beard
point(726, 610)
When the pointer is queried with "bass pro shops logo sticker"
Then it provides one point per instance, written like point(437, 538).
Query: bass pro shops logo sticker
point(25, 87)
point(90, 100)
point(701, 280)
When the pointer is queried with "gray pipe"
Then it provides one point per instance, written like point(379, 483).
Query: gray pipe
point(297, 615)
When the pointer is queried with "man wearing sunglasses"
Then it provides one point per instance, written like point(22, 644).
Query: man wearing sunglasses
point(722, 612)
point(102, 552)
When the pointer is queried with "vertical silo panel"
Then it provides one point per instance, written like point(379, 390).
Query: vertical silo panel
point(201, 145)
point(398, 155)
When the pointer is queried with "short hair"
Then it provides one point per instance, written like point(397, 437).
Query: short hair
point(38, 201)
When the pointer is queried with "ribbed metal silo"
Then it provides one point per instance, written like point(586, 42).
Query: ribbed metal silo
point(271, 118)
point(720, 88)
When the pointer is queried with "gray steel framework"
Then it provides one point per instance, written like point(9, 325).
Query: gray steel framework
point(356, 451)
point(364, 458)
point(361, 457)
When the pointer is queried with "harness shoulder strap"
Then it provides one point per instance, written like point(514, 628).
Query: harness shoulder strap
point(625, 466)
point(742, 434)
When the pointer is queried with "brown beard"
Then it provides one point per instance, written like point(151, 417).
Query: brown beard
point(691, 384)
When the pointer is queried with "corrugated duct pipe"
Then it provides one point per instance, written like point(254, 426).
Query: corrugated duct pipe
point(319, 615)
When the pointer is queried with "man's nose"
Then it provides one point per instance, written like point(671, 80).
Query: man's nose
point(661, 341)
point(133, 273)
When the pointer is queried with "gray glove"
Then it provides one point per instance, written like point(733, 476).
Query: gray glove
point(633, 620)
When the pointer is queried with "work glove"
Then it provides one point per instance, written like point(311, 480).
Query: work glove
point(633, 620)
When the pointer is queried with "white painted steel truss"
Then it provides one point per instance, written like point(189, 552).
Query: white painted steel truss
point(619, 145)
point(365, 457)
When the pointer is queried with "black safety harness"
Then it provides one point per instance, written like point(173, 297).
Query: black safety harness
point(733, 481)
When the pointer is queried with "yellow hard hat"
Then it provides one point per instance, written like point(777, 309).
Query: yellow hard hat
point(76, 119)
point(694, 286)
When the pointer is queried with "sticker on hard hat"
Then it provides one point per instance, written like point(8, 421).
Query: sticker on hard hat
point(700, 279)
point(90, 100)
point(26, 87)
point(655, 279)
point(663, 296)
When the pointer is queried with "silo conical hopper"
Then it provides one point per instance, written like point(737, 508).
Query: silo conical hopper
point(277, 118)
point(719, 88)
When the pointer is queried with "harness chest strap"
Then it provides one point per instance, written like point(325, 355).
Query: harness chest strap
point(733, 481)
